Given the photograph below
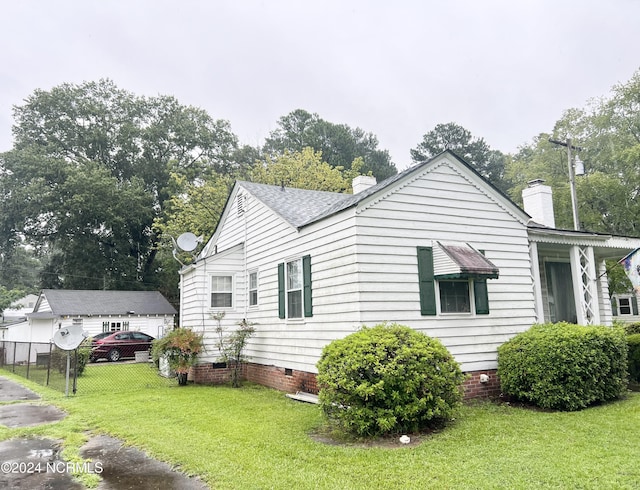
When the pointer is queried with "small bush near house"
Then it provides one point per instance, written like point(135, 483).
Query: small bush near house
point(633, 342)
point(388, 379)
point(59, 359)
point(564, 366)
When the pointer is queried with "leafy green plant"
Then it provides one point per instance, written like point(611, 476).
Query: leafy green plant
point(79, 359)
point(231, 346)
point(564, 366)
point(632, 328)
point(388, 379)
point(180, 347)
point(633, 341)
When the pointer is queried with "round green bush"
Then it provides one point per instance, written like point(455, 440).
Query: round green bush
point(564, 366)
point(633, 341)
point(388, 379)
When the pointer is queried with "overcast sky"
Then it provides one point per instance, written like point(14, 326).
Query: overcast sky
point(505, 70)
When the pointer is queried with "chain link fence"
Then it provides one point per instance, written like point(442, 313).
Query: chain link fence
point(46, 364)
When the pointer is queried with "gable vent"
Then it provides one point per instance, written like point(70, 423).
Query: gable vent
point(241, 203)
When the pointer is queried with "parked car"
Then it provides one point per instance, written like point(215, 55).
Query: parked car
point(92, 340)
point(119, 345)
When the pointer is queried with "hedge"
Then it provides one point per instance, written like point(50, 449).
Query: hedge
point(564, 366)
point(633, 341)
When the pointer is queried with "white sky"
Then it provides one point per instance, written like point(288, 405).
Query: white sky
point(506, 70)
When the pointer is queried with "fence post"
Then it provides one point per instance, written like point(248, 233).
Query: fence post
point(75, 372)
point(15, 345)
point(49, 363)
point(28, 359)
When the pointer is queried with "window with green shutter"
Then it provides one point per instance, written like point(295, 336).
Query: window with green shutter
point(446, 295)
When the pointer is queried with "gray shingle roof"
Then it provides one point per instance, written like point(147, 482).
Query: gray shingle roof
point(90, 302)
point(300, 207)
point(296, 206)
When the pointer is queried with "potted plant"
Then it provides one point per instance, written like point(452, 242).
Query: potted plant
point(180, 347)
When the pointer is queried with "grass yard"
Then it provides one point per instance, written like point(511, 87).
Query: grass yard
point(254, 437)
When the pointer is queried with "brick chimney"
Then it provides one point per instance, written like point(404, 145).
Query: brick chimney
point(538, 203)
point(362, 183)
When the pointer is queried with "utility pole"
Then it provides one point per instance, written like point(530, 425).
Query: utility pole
point(572, 178)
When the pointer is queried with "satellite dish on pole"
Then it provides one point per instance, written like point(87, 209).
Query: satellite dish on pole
point(68, 338)
point(187, 242)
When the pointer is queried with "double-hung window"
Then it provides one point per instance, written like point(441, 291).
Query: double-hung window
point(253, 288)
point(222, 291)
point(294, 288)
point(624, 305)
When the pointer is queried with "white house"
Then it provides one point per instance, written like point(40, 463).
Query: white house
point(14, 318)
point(435, 247)
point(96, 311)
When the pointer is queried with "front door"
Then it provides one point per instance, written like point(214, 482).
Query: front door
point(562, 306)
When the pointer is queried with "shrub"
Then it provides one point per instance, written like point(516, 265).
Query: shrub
point(180, 347)
point(632, 328)
point(388, 379)
point(564, 366)
point(633, 341)
point(59, 359)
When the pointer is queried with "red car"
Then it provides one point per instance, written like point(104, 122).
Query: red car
point(119, 345)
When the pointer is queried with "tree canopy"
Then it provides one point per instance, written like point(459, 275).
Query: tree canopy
point(475, 151)
point(91, 170)
point(339, 144)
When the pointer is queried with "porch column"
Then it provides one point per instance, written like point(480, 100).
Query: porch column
point(537, 285)
point(602, 283)
point(583, 274)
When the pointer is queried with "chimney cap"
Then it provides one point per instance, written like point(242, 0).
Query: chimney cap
point(535, 182)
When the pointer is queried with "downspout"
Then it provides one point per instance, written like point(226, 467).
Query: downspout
point(246, 272)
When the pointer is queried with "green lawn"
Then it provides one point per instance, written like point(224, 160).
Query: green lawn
point(254, 437)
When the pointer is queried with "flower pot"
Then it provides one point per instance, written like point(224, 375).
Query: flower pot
point(182, 378)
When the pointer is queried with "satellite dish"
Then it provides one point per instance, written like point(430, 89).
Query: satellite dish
point(187, 242)
point(69, 338)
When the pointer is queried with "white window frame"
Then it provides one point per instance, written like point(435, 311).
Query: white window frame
point(288, 291)
point(470, 291)
point(254, 290)
point(629, 305)
point(231, 291)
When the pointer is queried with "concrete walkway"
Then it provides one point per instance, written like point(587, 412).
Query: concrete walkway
point(36, 463)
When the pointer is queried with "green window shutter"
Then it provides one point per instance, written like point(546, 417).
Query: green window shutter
point(426, 281)
point(481, 296)
point(281, 303)
point(634, 305)
point(306, 281)
point(614, 307)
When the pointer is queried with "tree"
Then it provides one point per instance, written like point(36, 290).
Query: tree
point(20, 269)
point(90, 171)
point(339, 144)
point(475, 151)
point(306, 170)
point(8, 296)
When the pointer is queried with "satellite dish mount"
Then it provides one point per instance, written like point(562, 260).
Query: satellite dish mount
point(187, 242)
